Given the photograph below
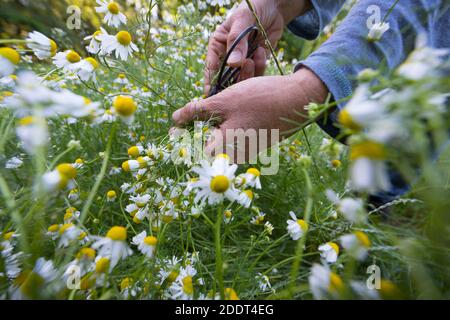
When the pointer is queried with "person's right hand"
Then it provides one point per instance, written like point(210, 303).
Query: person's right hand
point(273, 22)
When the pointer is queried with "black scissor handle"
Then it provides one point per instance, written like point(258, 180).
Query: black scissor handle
point(227, 75)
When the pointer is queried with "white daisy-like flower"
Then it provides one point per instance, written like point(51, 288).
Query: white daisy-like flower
point(86, 69)
point(357, 244)
point(252, 178)
point(14, 163)
point(183, 288)
point(146, 244)
point(68, 60)
point(360, 111)
point(42, 46)
point(324, 283)
point(95, 43)
point(9, 59)
point(368, 172)
point(60, 178)
point(121, 44)
point(245, 198)
point(263, 282)
point(114, 245)
point(296, 227)
point(113, 16)
point(33, 133)
point(329, 252)
point(68, 232)
point(352, 209)
point(215, 181)
point(377, 31)
point(258, 219)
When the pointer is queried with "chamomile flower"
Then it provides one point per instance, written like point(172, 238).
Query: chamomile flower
point(135, 151)
point(215, 181)
point(114, 245)
point(252, 178)
point(121, 44)
point(360, 110)
point(263, 282)
point(68, 232)
point(60, 178)
point(84, 260)
point(14, 163)
point(86, 69)
point(183, 287)
point(72, 214)
point(368, 172)
point(146, 244)
point(95, 42)
point(68, 60)
point(357, 244)
point(352, 209)
point(258, 219)
point(296, 227)
point(111, 196)
point(329, 252)
point(228, 216)
point(113, 16)
point(42, 46)
point(9, 59)
point(377, 31)
point(125, 107)
point(245, 198)
point(324, 283)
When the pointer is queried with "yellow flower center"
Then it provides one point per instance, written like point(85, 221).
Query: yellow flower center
point(347, 121)
point(363, 238)
point(133, 152)
point(68, 215)
point(125, 283)
point(53, 47)
point(188, 287)
point(26, 121)
point(124, 38)
point(73, 57)
point(113, 8)
point(86, 253)
point(125, 106)
point(93, 62)
point(137, 220)
point(117, 233)
point(249, 193)
point(223, 155)
point(10, 54)
point(172, 276)
point(334, 246)
point(182, 152)
point(228, 214)
point(220, 184)
point(335, 163)
point(102, 265)
point(64, 227)
point(142, 162)
point(67, 170)
point(230, 294)
point(126, 166)
point(368, 149)
point(302, 223)
point(254, 172)
point(8, 236)
point(150, 241)
point(53, 228)
point(79, 161)
point(336, 283)
point(111, 194)
point(96, 34)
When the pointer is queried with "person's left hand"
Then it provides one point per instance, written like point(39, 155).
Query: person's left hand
point(258, 103)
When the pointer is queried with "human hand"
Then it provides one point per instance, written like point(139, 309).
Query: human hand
point(258, 103)
point(273, 15)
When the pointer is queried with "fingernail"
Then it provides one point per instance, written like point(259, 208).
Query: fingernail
point(235, 57)
point(176, 115)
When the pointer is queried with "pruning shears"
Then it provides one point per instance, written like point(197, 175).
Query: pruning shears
point(227, 75)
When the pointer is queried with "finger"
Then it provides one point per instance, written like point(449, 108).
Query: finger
point(239, 54)
point(247, 70)
point(195, 110)
point(216, 49)
point(260, 61)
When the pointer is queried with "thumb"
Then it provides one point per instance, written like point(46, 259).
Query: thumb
point(239, 54)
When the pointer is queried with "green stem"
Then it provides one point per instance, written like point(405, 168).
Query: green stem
point(301, 242)
point(219, 262)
